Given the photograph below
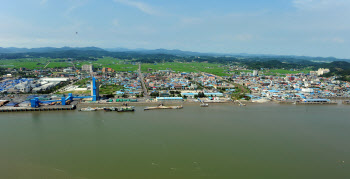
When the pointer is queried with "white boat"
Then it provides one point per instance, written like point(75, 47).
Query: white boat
point(161, 106)
point(88, 109)
point(204, 105)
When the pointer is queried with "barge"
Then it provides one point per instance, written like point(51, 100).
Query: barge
point(161, 106)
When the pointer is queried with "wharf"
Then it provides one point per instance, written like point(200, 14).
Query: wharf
point(317, 102)
point(43, 108)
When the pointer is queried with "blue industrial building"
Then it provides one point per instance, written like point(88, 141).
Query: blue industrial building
point(95, 96)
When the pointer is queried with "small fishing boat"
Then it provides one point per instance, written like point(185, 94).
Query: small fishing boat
point(126, 109)
point(107, 109)
point(204, 105)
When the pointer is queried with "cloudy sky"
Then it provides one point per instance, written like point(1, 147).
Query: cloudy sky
point(288, 27)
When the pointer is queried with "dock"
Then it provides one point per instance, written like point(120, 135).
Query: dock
point(44, 108)
point(240, 103)
point(316, 102)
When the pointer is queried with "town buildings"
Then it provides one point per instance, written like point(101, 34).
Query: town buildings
point(87, 68)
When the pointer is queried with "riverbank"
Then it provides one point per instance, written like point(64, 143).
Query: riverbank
point(188, 103)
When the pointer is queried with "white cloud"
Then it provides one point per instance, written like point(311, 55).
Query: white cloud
point(73, 6)
point(143, 7)
point(317, 5)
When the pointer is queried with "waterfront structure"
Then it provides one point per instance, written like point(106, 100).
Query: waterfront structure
point(192, 95)
point(95, 90)
point(169, 99)
point(315, 101)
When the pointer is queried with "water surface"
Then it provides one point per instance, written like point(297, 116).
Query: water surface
point(224, 141)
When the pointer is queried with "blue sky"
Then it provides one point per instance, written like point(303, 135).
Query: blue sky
point(287, 27)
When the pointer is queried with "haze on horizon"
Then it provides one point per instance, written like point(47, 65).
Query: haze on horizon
point(281, 27)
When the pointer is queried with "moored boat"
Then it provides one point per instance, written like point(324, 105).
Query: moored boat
point(204, 105)
point(161, 106)
point(107, 109)
point(87, 109)
point(126, 109)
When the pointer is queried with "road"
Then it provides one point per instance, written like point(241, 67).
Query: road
point(73, 65)
point(145, 94)
point(47, 64)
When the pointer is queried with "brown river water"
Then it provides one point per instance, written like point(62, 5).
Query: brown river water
point(221, 141)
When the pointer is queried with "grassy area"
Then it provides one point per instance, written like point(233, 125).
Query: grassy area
point(239, 71)
point(110, 89)
point(116, 64)
point(216, 69)
point(282, 71)
point(125, 65)
point(27, 63)
point(82, 83)
point(240, 92)
point(59, 65)
point(175, 66)
point(241, 89)
point(34, 63)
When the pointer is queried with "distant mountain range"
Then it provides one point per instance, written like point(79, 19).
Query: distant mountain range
point(175, 52)
point(46, 49)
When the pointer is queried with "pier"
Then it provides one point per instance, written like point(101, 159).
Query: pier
point(45, 108)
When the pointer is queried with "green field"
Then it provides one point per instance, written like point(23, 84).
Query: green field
point(216, 69)
point(27, 63)
point(35, 63)
point(82, 83)
point(110, 89)
point(178, 67)
point(282, 71)
point(59, 65)
point(117, 65)
point(129, 66)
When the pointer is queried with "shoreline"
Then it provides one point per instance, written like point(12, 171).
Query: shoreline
point(153, 104)
point(186, 103)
